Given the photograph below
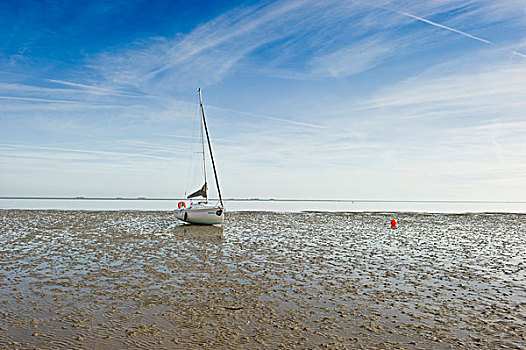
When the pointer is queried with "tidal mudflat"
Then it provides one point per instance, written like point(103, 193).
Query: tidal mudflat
point(123, 279)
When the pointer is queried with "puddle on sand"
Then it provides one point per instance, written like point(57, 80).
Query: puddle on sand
point(81, 279)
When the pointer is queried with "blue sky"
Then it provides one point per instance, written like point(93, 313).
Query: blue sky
point(304, 99)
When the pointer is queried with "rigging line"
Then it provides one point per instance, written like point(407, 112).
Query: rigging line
point(203, 142)
point(210, 149)
point(193, 169)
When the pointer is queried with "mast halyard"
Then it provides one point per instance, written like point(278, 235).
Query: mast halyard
point(203, 143)
point(209, 148)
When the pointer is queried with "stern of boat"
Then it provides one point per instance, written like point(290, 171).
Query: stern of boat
point(179, 214)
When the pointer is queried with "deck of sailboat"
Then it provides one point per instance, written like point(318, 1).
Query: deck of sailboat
point(203, 207)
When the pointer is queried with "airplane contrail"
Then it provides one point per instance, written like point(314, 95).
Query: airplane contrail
point(36, 99)
point(53, 101)
point(442, 26)
point(421, 19)
point(519, 54)
point(74, 150)
point(311, 125)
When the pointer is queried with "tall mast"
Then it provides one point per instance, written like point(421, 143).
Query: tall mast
point(203, 141)
point(210, 148)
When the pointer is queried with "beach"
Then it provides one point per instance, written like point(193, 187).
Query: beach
point(140, 279)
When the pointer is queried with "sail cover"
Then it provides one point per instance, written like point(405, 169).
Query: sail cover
point(201, 192)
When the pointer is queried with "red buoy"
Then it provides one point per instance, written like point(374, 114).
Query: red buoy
point(394, 224)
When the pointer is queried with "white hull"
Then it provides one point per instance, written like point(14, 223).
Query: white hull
point(201, 214)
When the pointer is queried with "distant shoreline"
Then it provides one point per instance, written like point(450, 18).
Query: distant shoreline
point(80, 198)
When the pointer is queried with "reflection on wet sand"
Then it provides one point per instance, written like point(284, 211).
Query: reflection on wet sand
point(77, 279)
point(199, 233)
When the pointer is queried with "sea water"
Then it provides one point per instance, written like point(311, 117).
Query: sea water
point(341, 280)
point(270, 205)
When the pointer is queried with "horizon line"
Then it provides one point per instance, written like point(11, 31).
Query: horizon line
point(255, 199)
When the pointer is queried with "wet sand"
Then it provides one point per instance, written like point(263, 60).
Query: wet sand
point(108, 280)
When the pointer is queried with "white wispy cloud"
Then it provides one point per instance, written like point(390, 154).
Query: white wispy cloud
point(36, 95)
point(227, 28)
point(491, 88)
point(202, 49)
point(96, 89)
point(215, 48)
point(10, 147)
point(352, 59)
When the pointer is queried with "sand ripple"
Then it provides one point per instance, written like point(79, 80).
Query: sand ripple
point(84, 280)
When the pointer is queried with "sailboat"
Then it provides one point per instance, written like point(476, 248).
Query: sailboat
point(203, 212)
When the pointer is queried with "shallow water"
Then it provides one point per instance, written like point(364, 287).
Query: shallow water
point(278, 205)
point(87, 279)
